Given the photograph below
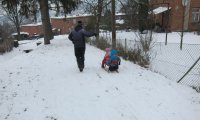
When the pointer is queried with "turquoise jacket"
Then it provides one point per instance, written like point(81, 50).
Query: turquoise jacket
point(114, 59)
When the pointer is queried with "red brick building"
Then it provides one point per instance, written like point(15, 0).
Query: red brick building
point(32, 29)
point(60, 25)
point(173, 17)
point(65, 25)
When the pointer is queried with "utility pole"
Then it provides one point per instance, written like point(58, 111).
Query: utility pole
point(182, 32)
point(185, 4)
point(113, 26)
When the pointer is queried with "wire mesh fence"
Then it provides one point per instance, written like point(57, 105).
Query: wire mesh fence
point(168, 60)
point(173, 63)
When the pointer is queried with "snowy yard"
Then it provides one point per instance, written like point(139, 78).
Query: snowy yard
point(46, 84)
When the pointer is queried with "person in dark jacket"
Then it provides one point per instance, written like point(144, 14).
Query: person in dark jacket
point(77, 36)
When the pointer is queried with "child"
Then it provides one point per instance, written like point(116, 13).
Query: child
point(114, 61)
point(106, 57)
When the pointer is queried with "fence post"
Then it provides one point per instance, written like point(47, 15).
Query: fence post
point(189, 70)
point(125, 45)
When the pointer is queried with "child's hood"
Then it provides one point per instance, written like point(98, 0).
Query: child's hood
point(113, 52)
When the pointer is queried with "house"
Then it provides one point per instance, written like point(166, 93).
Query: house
point(32, 29)
point(60, 25)
point(66, 25)
point(175, 15)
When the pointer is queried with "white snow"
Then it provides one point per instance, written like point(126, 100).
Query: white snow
point(46, 84)
point(20, 33)
point(160, 10)
point(173, 37)
point(120, 21)
point(37, 24)
point(73, 16)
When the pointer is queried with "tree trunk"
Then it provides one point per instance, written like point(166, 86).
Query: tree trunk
point(98, 19)
point(18, 29)
point(113, 26)
point(47, 30)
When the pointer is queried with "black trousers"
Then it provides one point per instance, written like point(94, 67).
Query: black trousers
point(113, 68)
point(80, 56)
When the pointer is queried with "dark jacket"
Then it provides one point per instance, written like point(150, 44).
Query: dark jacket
point(77, 36)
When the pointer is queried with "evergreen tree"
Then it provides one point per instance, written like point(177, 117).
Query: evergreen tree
point(107, 20)
point(67, 5)
point(23, 7)
point(130, 8)
point(143, 15)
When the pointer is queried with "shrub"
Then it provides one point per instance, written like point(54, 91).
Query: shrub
point(139, 55)
point(102, 43)
point(6, 42)
point(6, 45)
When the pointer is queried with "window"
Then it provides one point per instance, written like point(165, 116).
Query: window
point(195, 15)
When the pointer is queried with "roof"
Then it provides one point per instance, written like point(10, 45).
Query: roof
point(20, 33)
point(72, 16)
point(120, 14)
point(160, 10)
point(37, 24)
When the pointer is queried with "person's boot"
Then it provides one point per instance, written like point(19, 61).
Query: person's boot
point(81, 69)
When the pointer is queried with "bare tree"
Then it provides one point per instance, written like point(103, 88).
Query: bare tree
point(96, 8)
point(34, 9)
point(48, 34)
point(130, 8)
point(14, 13)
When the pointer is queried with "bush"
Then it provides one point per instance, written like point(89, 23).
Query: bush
point(6, 42)
point(6, 45)
point(139, 55)
point(101, 44)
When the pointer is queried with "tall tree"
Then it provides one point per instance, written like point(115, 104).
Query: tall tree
point(107, 23)
point(96, 7)
point(34, 9)
point(66, 5)
point(44, 9)
point(143, 15)
point(130, 8)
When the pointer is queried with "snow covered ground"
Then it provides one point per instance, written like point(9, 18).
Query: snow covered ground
point(46, 84)
point(173, 37)
point(169, 60)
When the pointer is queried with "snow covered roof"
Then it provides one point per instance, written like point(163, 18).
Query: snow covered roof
point(37, 24)
point(80, 15)
point(160, 10)
point(21, 33)
point(120, 14)
point(120, 21)
point(72, 16)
